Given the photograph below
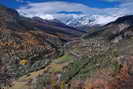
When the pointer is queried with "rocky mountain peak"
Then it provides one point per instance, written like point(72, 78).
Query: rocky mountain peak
point(4, 11)
point(125, 19)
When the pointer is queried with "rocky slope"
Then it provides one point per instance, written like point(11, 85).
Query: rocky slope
point(117, 30)
point(55, 27)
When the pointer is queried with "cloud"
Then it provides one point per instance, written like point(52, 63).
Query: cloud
point(122, 1)
point(23, 1)
point(111, 0)
point(20, 1)
point(126, 0)
point(123, 9)
point(53, 9)
point(39, 9)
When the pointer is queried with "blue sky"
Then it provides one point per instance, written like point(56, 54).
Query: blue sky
point(91, 3)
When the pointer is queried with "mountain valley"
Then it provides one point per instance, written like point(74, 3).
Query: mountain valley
point(48, 54)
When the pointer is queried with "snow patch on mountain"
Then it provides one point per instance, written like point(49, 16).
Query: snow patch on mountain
point(102, 20)
point(47, 17)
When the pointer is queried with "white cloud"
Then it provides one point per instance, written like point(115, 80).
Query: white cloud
point(123, 1)
point(54, 7)
point(111, 0)
point(46, 9)
point(20, 1)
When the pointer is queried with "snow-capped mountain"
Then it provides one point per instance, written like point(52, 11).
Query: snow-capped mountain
point(85, 20)
point(79, 20)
